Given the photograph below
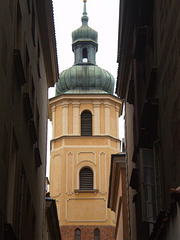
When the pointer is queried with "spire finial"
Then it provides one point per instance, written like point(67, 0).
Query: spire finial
point(84, 17)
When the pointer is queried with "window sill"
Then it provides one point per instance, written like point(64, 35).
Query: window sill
point(86, 191)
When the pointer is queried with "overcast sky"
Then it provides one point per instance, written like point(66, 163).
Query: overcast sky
point(103, 17)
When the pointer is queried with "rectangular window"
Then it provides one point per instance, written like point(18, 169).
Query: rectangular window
point(151, 189)
point(148, 185)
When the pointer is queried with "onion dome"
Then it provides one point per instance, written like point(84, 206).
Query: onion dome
point(85, 77)
point(84, 33)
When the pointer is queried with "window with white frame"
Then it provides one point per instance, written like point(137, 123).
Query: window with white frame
point(148, 185)
point(150, 160)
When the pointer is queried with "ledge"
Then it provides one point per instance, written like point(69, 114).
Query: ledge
point(86, 191)
point(92, 136)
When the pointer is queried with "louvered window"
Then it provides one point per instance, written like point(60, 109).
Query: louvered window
point(86, 123)
point(77, 234)
point(86, 179)
point(96, 234)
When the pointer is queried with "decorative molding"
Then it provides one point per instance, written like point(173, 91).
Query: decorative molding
point(85, 157)
point(76, 104)
point(85, 147)
point(94, 174)
point(96, 105)
point(76, 119)
point(53, 108)
point(70, 173)
point(84, 221)
point(107, 119)
point(86, 109)
point(117, 108)
point(107, 104)
point(96, 121)
point(103, 170)
point(117, 121)
point(65, 105)
point(65, 119)
point(56, 166)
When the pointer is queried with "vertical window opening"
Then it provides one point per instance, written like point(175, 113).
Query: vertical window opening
point(85, 55)
point(77, 234)
point(96, 234)
point(86, 179)
point(86, 123)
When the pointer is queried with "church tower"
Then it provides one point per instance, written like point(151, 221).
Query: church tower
point(84, 115)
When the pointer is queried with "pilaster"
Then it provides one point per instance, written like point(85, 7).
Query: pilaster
point(107, 118)
point(65, 118)
point(76, 118)
point(96, 118)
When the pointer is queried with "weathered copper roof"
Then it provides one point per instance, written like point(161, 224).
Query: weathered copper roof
point(83, 78)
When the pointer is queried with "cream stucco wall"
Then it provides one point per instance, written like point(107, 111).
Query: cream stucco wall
point(70, 152)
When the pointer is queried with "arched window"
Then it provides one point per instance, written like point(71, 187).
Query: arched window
point(96, 234)
point(86, 123)
point(86, 179)
point(77, 234)
point(85, 55)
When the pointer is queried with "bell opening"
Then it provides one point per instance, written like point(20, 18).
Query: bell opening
point(84, 55)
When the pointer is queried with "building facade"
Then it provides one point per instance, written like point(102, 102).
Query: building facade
point(28, 66)
point(117, 200)
point(84, 115)
point(148, 81)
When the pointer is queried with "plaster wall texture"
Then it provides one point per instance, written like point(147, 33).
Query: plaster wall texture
point(21, 180)
point(70, 152)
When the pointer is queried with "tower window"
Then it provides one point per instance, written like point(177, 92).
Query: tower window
point(86, 123)
point(85, 55)
point(86, 179)
point(96, 234)
point(77, 234)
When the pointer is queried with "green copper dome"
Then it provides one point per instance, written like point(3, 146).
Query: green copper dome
point(85, 77)
point(84, 33)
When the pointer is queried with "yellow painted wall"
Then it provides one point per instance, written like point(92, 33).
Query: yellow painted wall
point(58, 121)
point(113, 121)
point(70, 119)
point(70, 153)
point(102, 115)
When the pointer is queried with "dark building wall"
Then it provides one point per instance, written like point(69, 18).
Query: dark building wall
point(23, 92)
point(148, 80)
